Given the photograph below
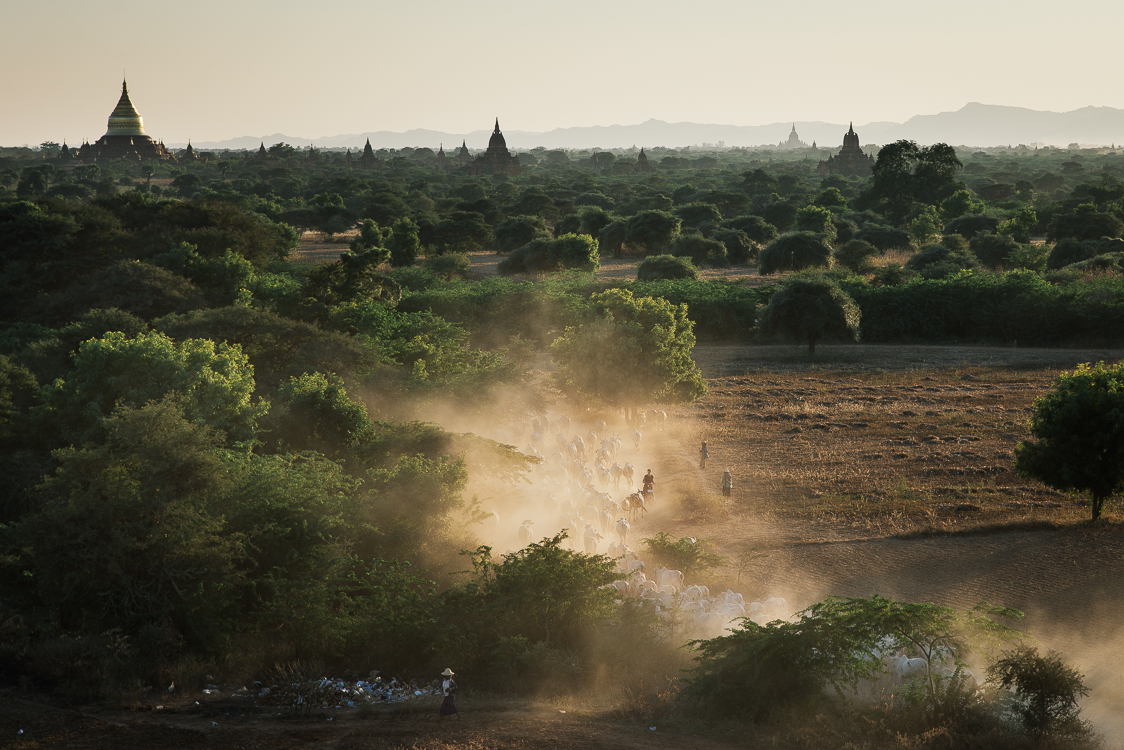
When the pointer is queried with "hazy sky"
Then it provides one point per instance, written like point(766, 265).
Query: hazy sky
point(212, 70)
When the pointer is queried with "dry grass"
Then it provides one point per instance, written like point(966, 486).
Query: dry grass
point(882, 453)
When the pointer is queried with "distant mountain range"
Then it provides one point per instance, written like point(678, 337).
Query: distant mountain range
point(974, 124)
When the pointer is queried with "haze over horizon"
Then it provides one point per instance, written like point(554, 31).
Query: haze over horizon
point(223, 70)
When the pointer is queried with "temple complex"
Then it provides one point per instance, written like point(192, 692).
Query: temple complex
point(497, 159)
point(189, 153)
point(125, 137)
point(851, 160)
point(793, 140)
point(463, 157)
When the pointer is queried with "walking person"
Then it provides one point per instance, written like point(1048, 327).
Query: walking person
point(727, 483)
point(449, 688)
point(703, 455)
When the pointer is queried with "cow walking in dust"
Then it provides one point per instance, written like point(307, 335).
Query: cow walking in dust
point(622, 530)
point(637, 436)
point(525, 533)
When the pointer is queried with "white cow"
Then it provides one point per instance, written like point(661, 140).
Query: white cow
point(627, 472)
point(622, 530)
point(671, 578)
point(636, 438)
point(525, 532)
point(590, 537)
point(616, 471)
point(905, 669)
point(776, 608)
point(658, 418)
point(563, 425)
point(599, 427)
point(605, 518)
point(604, 477)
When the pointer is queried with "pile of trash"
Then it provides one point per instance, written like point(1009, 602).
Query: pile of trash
point(300, 697)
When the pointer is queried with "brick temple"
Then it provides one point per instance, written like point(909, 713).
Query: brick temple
point(850, 160)
point(497, 159)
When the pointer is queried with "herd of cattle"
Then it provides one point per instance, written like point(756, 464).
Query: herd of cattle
point(578, 489)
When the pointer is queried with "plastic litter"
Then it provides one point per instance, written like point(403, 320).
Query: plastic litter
point(561, 711)
point(652, 728)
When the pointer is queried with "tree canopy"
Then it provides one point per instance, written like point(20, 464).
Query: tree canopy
point(628, 352)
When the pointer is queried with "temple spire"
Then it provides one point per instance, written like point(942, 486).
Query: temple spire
point(497, 125)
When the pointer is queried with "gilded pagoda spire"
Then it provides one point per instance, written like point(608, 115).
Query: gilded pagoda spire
point(125, 120)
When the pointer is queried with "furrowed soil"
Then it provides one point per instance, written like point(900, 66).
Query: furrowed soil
point(861, 470)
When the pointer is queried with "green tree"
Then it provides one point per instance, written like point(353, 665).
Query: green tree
point(793, 252)
point(1085, 223)
point(662, 267)
point(403, 243)
point(831, 198)
point(925, 226)
point(214, 382)
point(1046, 690)
point(652, 231)
point(695, 214)
point(648, 339)
point(463, 231)
point(854, 256)
point(809, 308)
point(993, 250)
point(313, 412)
point(570, 251)
point(543, 592)
point(1078, 431)
point(904, 172)
point(129, 536)
point(755, 227)
point(700, 250)
point(516, 231)
point(815, 219)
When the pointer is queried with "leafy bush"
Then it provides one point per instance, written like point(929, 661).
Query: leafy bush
point(516, 231)
point(1046, 690)
point(883, 238)
point(448, 266)
point(1110, 262)
point(740, 249)
point(854, 255)
point(892, 274)
point(809, 307)
point(700, 250)
point(1068, 251)
point(969, 226)
point(793, 252)
point(571, 251)
point(993, 250)
point(755, 227)
point(938, 262)
point(687, 554)
point(661, 267)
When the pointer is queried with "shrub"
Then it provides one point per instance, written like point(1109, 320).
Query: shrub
point(993, 250)
point(883, 238)
point(793, 252)
point(938, 262)
point(809, 307)
point(970, 226)
point(448, 266)
point(1046, 690)
point(740, 249)
point(1068, 251)
point(700, 250)
point(686, 554)
point(661, 267)
point(516, 231)
point(892, 274)
point(1101, 263)
point(854, 255)
point(755, 227)
point(694, 214)
point(571, 251)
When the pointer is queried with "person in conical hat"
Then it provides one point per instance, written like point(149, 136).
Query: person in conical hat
point(449, 688)
point(727, 483)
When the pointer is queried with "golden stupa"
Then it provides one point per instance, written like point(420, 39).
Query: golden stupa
point(125, 137)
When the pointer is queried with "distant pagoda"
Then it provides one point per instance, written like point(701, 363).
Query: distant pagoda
point(850, 160)
point(125, 137)
point(793, 140)
point(497, 159)
point(642, 164)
